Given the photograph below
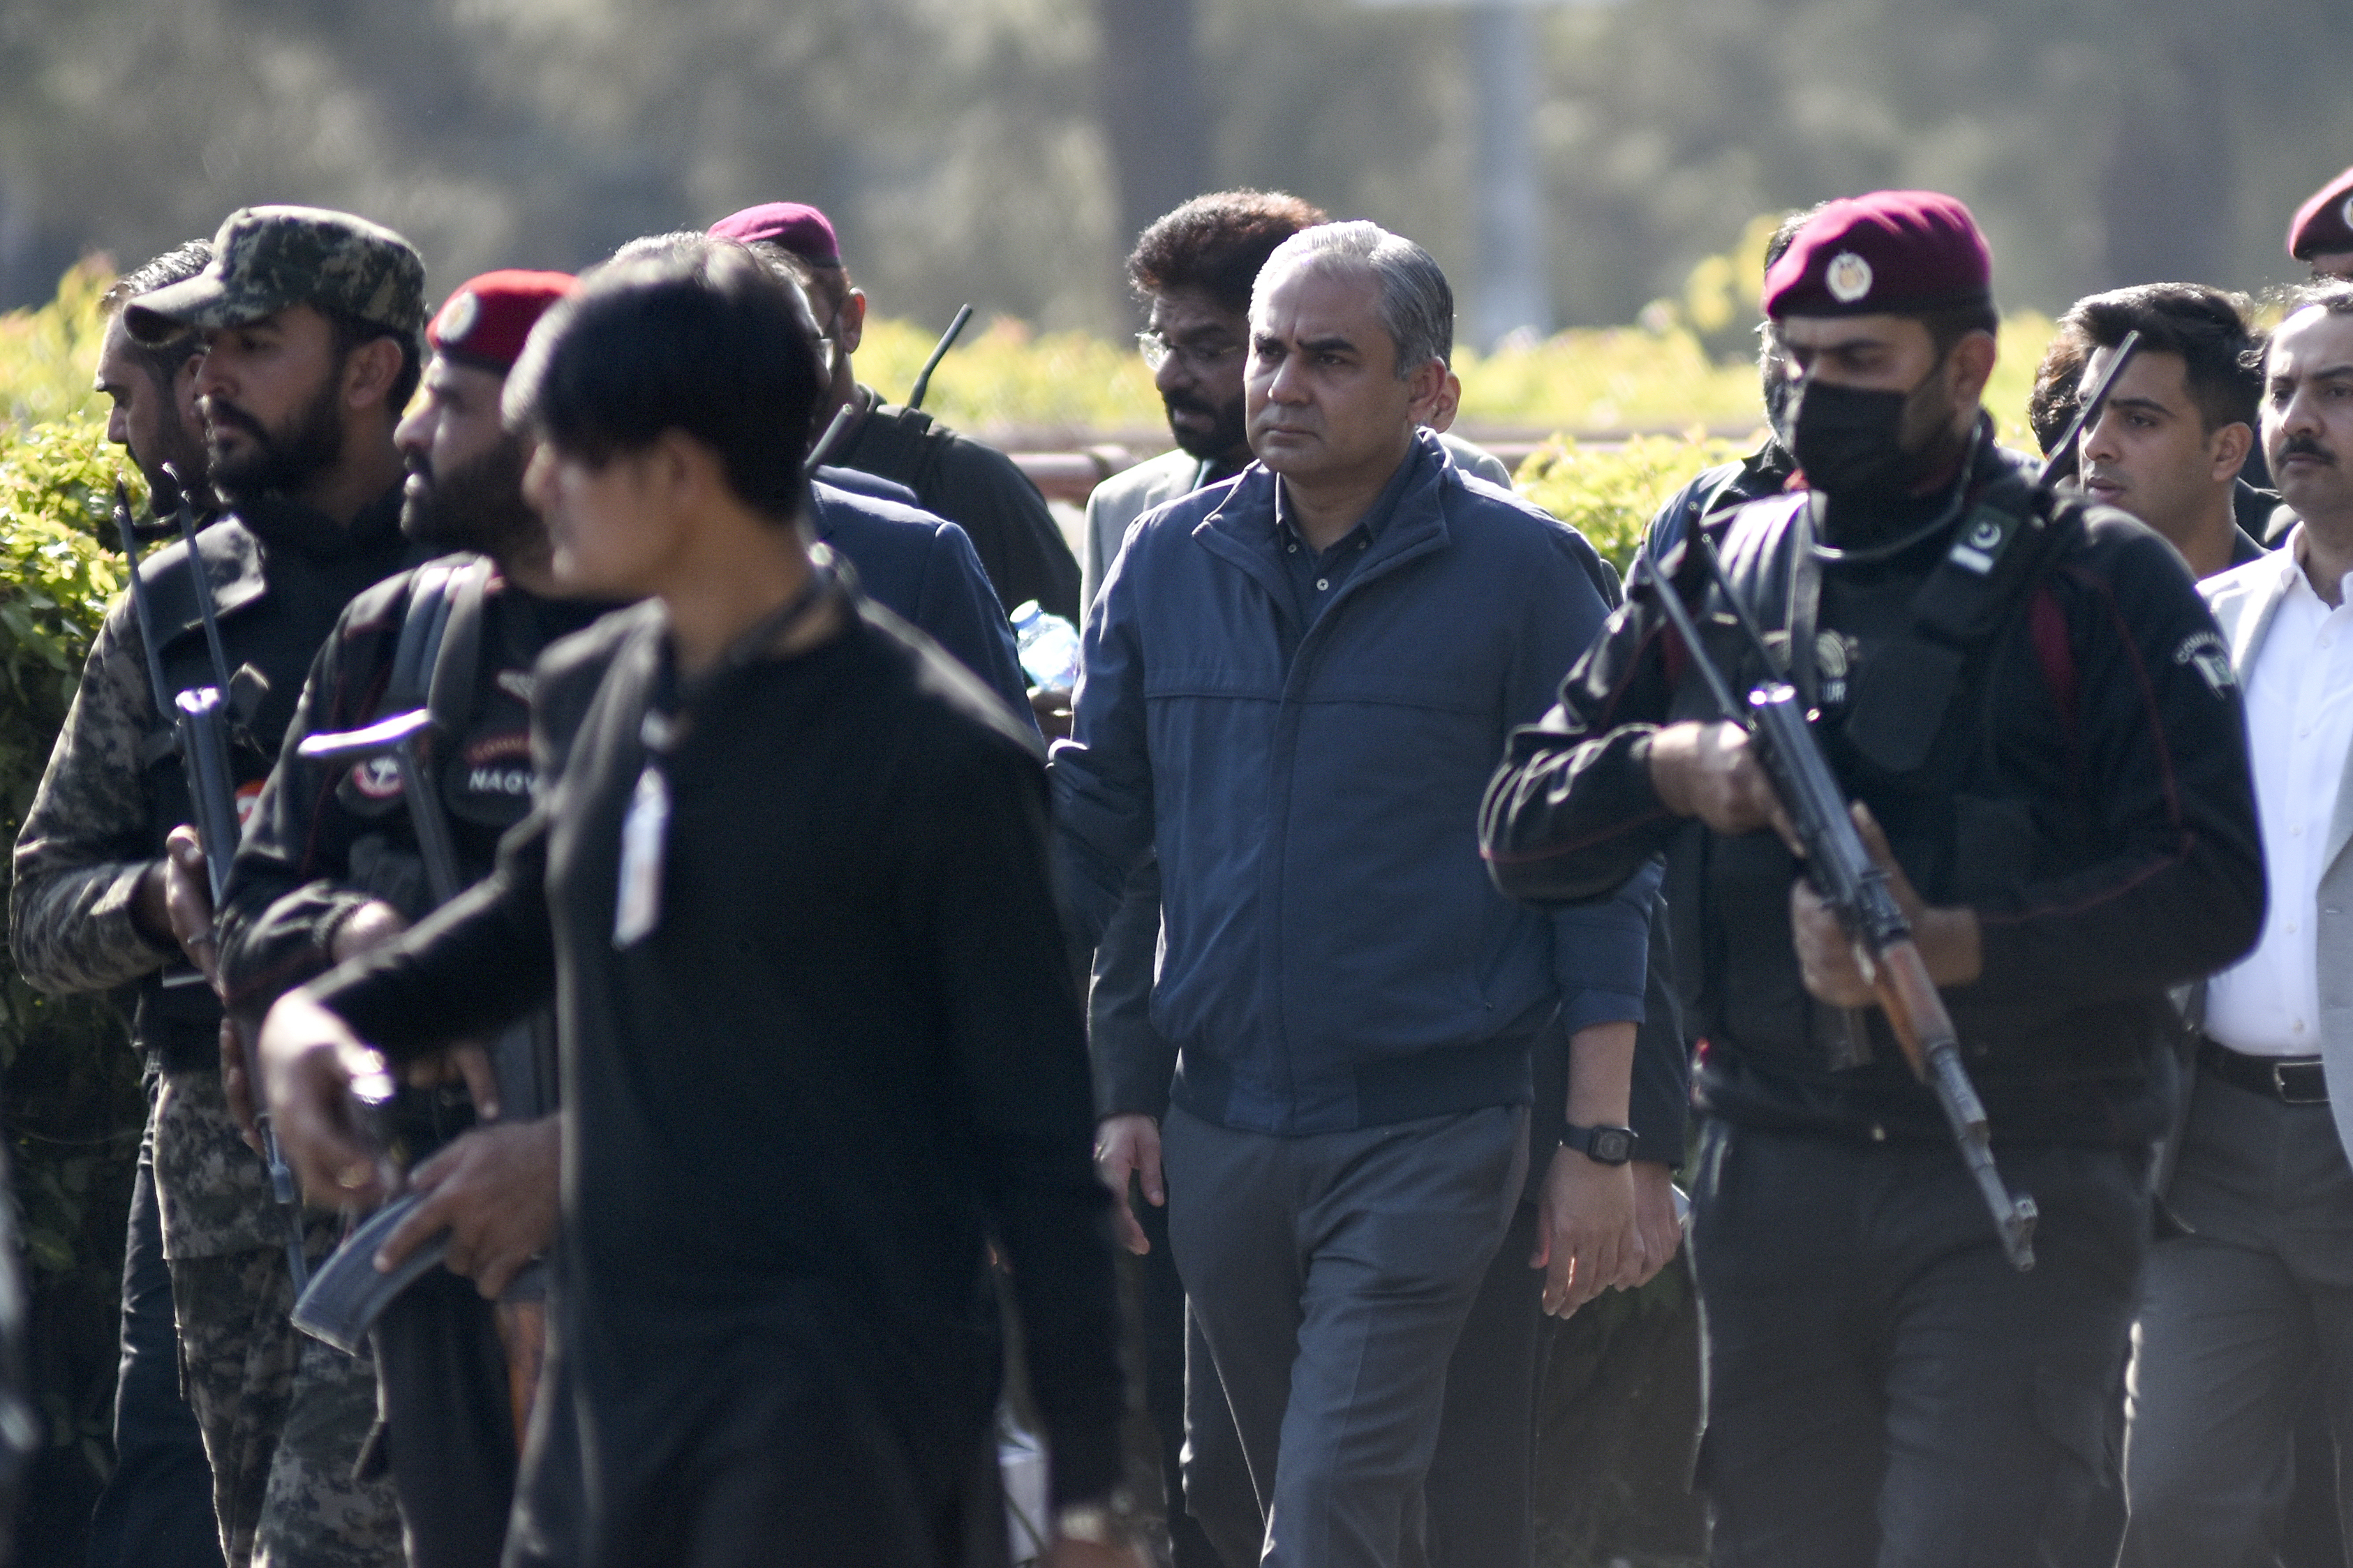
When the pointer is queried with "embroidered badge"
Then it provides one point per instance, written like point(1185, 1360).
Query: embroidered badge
point(457, 319)
point(378, 778)
point(2204, 652)
point(1848, 277)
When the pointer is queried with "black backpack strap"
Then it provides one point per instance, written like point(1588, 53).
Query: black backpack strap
point(421, 628)
point(451, 689)
point(2002, 550)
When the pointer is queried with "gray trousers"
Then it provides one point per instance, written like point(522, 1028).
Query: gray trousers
point(1330, 1277)
point(2240, 1323)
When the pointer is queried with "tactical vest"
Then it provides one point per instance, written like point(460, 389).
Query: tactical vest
point(450, 659)
point(1906, 718)
point(274, 613)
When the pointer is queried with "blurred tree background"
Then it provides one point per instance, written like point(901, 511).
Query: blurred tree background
point(1005, 151)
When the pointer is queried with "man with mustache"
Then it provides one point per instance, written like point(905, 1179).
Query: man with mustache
point(2247, 1309)
point(330, 867)
point(308, 321)
point(2034, 707)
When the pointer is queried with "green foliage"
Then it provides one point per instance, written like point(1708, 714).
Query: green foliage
point(69, 1087)
point(1610, 494)
point(49, 356)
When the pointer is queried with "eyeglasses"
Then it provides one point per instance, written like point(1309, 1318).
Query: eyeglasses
point(1158, 350)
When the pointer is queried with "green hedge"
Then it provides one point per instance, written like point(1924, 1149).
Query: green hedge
point(69, 1095)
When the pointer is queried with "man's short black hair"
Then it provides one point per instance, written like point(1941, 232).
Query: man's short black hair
point(2220, 354)
point(350, 331)
point(178, 264)
point(1785, 232)
point(702, 339)
point(2051, 405)
point(1217, 244)
point(2334, 295)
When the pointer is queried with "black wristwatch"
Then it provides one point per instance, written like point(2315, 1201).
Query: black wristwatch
point(1602, 1145)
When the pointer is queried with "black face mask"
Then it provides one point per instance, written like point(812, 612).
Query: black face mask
point(1850, 442)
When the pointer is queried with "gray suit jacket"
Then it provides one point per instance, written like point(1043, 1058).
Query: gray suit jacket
point(2244, 600)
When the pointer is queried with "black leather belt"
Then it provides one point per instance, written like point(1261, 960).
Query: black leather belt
point(2291, 1080)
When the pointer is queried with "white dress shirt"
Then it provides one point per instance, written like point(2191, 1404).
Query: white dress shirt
point(2299, 698)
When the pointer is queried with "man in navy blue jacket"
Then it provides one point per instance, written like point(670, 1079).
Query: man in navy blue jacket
point(1296, 686)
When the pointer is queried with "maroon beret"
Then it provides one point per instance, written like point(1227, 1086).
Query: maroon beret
point(2325, 222)
point(1897, 252)
point(486, 321)
point(795, 227)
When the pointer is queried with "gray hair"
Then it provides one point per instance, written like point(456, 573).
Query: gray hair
point(1417, 304)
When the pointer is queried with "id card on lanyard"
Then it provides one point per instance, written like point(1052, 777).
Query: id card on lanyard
point(645, 829)
point(637, 908)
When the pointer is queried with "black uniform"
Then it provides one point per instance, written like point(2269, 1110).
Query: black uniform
point(847, 1045)
point(975, 486)
point(324, 841)
point(2067, 758)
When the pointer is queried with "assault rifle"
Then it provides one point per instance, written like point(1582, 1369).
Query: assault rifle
point(1842, 871)
point(1857, 890)
point(348, 1294)
point(200, 725)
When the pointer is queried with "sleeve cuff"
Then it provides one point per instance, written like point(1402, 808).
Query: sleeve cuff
point(1593, 1005)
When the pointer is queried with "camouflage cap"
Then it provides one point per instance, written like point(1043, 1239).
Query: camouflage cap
point(267, 258)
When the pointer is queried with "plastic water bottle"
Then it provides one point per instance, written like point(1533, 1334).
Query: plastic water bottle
point(1050, 649)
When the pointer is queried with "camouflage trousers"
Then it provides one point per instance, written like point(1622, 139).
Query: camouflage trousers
point(284, 1419)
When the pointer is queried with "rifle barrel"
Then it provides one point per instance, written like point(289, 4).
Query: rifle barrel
point(2088, 411)
point(947, 341)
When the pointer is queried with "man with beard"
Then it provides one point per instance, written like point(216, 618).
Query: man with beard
point(157, 1505)
point(2028, 696)
point(2321, 233)
point(788, 884)
point(329, 865)
point(308, 321)
point(971, 484)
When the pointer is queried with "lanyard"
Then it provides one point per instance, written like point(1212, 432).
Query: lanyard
point(645, 830)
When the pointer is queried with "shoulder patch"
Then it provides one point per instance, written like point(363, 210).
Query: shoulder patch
point(2204, 652)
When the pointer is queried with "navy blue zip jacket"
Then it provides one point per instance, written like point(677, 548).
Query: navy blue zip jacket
point(1336, 956)
point(923, 569)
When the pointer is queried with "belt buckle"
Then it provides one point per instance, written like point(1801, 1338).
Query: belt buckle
point(2286, 1073)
